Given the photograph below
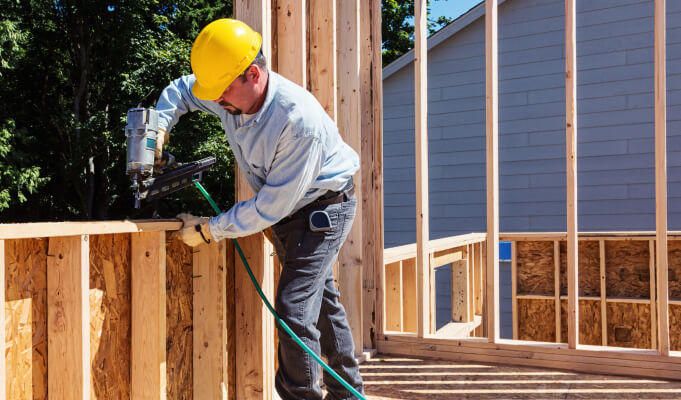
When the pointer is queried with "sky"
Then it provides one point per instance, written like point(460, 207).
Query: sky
point(451, 8)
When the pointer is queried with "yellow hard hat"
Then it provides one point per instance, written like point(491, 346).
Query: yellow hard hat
point(222, 51)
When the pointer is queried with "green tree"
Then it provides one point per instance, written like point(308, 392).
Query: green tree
point(78, 68)
point(398, 28)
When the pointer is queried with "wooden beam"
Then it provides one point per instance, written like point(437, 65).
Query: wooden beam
point(3, 345)
point(604, 304)
point(148, 341)
point(470, 257)
point(661, 173)
point(350, 127)
point(209, 321)
point(492, 168)
point(291, 37)
point(394, 296)
point(460, 294)
point(409, 290)
point(68, 318)
point(514, 288)
point(254, 324)
point(653, 302)
point(571, 169)
point(556, 287)
point(322, 62)
point(421, 149)
point(53, 229)
point(377, 165)
point(478, 278)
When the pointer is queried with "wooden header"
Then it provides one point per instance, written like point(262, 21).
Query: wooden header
point(52, 229)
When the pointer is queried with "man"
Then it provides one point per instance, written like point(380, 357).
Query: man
point(301, 171)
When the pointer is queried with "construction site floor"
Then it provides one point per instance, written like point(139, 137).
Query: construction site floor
point(405, 379)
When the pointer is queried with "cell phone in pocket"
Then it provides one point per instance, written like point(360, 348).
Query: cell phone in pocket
point(320, 221)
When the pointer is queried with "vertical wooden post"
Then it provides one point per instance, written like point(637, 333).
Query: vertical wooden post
point(209, 322)
point(322, 62)
point(68, 318)
point(148, 342)
point(254, 324)
point(3, 365)
point(377, 170)
point(653, 302)
point(661, 173)
point(291, 37)
point(571, 169)
point(470, 258)
point(460, 294)
point(514, 288)
point(394, 296)
point(409, 290)
point(556, 287)
point(421, 148)
point(492, 168)
point(604, 303)
point(349, 125)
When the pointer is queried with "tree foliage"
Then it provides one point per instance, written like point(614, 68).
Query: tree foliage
point(70, 71)
point(398, 28)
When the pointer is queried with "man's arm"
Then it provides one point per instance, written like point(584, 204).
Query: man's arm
point(177, 99)
point(296, 166)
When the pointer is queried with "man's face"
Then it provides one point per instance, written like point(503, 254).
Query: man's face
point(239, 96)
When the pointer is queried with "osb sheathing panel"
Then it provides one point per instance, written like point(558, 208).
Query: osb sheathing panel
point(589, 322)
point(26, 318)
point(675, 327)
point(537, 320)
point(535, 267)
point(627, 268)
point(179, 268)
point(589, 268)
point(110, 315)
point(674, 261)
point(629, 325)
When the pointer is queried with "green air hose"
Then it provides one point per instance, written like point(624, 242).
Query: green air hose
point(274, 313)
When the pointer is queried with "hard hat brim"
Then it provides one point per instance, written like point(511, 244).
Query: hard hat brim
point(208, 93)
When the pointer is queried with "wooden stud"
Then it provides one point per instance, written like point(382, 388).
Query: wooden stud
point(291, 36)
point(604, 305)
point(514, 288)
point(68, 318)
point(432, 326)
point(460, 293)
point(661, 174)
point(556, 287)
point(322, 75)
point(421, 149)
point(478, 278)
point(209, 322)
point(394, 295)
point(470, 258)
point(409, 288)
point(492, 169)
point(349, 125)
point(254, 324)
point(571, 169)
point(653, 302)
point(3, 365)
point(148, 298)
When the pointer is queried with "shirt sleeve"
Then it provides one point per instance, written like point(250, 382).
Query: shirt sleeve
point(177, 99)
point(296, 166)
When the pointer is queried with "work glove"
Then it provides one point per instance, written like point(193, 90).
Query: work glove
point(190, 234)
point(160, 141)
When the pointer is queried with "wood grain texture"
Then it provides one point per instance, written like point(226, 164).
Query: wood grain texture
point(68, 318)
point(675, 327)
point(230, 306)
point(393, 296)
point(3, 369)
point(674, 249)
point(209, 323)
point(26, 318)
point(535, 267)
point(409, 309)
point(460, 294)
point(110, 315)
point(627, 268)
point(322, 71)
point(589, 268)
point(590, 331)
point(629, 325)
point(536, 320)
point(148, 326)
point(291, 36)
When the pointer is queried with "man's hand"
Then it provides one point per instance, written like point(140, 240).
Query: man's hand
point(189, 234)
point(161, 137)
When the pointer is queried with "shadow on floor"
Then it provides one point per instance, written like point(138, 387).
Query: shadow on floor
point(405, 379)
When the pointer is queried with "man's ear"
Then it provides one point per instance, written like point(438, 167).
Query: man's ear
point(254, 73)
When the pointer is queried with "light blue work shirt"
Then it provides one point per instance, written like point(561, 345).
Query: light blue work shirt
point(290, 152)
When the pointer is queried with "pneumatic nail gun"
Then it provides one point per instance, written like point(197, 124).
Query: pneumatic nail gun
point(151, 181)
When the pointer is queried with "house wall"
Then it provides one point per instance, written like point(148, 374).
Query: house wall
point(615, 123)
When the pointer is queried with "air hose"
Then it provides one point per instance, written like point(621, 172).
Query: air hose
point(274, 313)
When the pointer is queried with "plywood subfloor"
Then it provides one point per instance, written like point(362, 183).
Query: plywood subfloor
point(405, 379)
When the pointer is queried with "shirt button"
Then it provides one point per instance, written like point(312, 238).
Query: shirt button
point(248, 172)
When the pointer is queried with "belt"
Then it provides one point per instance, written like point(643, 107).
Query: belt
point(330, 197)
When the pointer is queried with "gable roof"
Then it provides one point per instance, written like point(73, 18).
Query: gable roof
point(438, 37)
